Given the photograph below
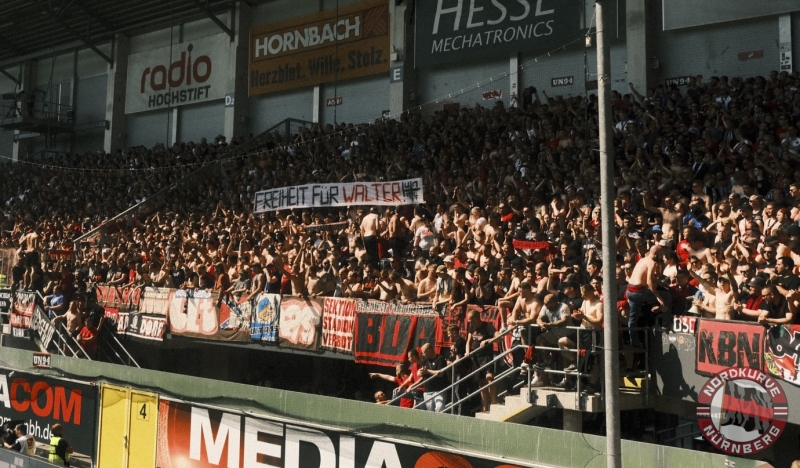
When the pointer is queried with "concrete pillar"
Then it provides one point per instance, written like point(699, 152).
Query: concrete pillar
point(236, 114)
point(785, 42)
point(115, 95)
point(23, 148)
point(573, 421)
point(636, 43)
point(402, 83)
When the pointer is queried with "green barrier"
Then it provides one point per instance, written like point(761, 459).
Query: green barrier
point(530, 444)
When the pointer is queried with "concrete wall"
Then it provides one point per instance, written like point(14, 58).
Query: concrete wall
point(720, 49)
point(536, 445)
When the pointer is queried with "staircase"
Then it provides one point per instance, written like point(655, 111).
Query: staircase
point(514, 409)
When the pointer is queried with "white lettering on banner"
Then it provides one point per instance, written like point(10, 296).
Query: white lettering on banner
point(497, 36)
point(185, 73)
point(42, 327)
point(4, 391)
point(458, 8)
point(400, 192)
point(203, 439)
point(295, 435)
point(228, 431)
point(309, 37)
point(253, 447)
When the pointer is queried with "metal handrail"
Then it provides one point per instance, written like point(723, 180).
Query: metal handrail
point(447, 367)
point(120, 346)
point(501, 357)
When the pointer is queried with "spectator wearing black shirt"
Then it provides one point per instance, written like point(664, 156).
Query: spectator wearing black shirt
point(431, 365)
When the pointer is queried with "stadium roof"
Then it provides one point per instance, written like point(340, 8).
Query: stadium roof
point(31, 29)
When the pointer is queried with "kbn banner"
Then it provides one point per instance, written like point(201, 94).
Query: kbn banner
point(193, 436)
point(398, 192)
point(186, 73)
point(723, 343)
point(463, 31)
point(39, 402)
point(332, 45)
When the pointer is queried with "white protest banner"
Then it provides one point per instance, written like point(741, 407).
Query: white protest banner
point(186, 73)
point(392, 193)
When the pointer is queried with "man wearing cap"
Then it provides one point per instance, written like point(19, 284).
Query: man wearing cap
point(725, 292)
point(752, 309)
point(60, 449)
point(444, 286)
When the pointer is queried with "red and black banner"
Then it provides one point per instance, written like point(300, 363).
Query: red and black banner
point(195, 436)
point(21, 313)
point(782, 352)
point(723, 343)
point(381, 338)
point(458, 316)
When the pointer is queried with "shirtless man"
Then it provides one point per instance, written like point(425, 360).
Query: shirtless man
point(591, 317)
point(526, 311)
point(407, 289)
point(642, 293)
point(369, 232)
point(725, 292)
point(427, 286)
point(73, 318)
point(670, 216)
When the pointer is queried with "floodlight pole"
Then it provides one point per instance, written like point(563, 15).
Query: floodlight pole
point(610, 317)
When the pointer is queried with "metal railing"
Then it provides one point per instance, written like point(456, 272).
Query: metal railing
point(580, 350)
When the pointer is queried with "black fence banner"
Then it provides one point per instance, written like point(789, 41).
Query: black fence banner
point(38, 402)
point(300, 323)
point(42, 328)
point(383, 339)
point(5, 300)
point(426, 331)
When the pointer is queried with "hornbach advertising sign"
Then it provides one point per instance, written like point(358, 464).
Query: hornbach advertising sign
point(186, 73)
point(332, 45)
point(465, 30)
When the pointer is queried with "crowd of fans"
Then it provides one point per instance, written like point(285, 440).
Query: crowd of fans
point(706, 213)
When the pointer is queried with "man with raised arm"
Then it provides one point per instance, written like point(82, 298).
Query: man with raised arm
point(642, 292)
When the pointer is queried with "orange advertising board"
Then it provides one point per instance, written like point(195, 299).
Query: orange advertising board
point(331, 45)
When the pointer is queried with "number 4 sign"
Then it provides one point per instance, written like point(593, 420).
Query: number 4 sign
point(144, 412)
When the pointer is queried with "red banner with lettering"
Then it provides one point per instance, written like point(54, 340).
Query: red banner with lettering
point(722, 344)
point(338, 324)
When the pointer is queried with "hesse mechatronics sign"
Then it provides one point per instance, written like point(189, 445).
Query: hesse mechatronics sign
point(463, 30)
point(186, 73)
point(350, 42)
